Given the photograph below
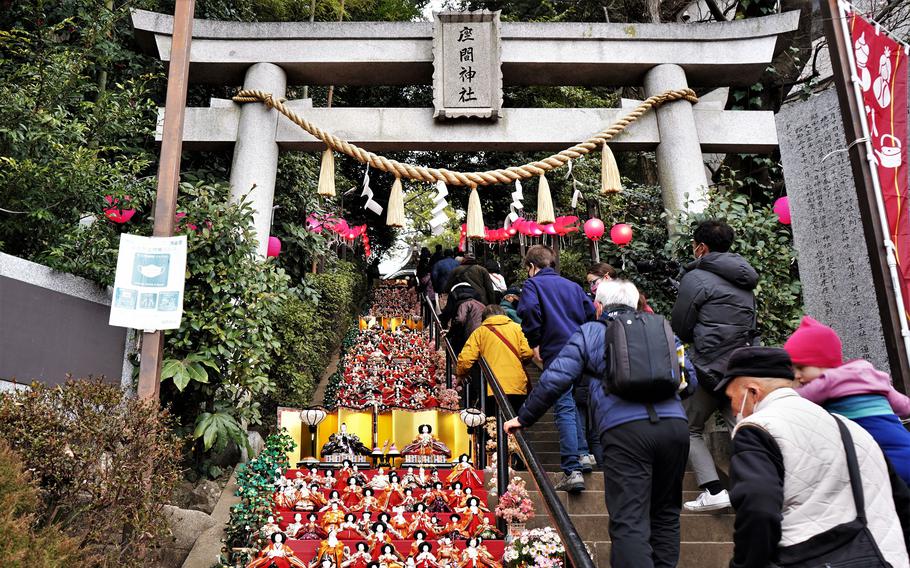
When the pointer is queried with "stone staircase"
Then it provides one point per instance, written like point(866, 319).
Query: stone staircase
point(706, 538)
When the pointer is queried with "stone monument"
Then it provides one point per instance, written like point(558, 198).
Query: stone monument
point(827, 226)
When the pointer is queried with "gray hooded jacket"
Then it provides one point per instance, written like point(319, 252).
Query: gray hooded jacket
point(715, 312)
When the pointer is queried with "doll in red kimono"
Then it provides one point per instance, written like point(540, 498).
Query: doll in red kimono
point(348, 529)
point(464, 472)
point(360, 558)
point(425, 557)
point(277, 554)
point(420, 521)
point(352, 494)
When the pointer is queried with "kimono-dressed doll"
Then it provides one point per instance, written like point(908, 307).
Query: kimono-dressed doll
point(393, 494)
point(386, 519)
point(369, 502)
point(389, 557)
point(420, 537)
point(409, 502)
point(332, 518)
point(399, 522)
point(308, 499)
point(277, 555)
point(287, 496)
point(348, 529)
point(358, 475)
point(456, 497)
point(410, 479)
point(378, 536)
point(466, 498)
point(334, 498)
point(380, 481)
point(472, 517)
point(330, 549)
point(314, 477)
point(352, 494)
point(452, 529)
point(421, 522)
point(426, 445)
point(341, 478)
point(294, 528)
point(328, 481)
point(476, 555)
point(365, 522)
point(311, 529)
point(446, 554)
point(464, 472)
point(486, 530)
point(435, 499)
point(360, 558)
point(434, 479)
point(269, 528)
point(425, 557)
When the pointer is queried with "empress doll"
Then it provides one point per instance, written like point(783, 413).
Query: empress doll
point(277, 554)
point(464, 472)
point(330, 549)
point(476, 555)
point(360, 558)
point(426, 445)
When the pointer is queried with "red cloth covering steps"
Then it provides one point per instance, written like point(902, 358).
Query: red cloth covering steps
point(369, 473)
point(287, 517)
point(306, 549)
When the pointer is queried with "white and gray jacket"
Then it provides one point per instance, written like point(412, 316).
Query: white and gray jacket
point(790, 482)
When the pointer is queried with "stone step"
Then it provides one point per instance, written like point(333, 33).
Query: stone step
point(691, 554)
point(584, 503)
point(693, 527)
point(594, 481)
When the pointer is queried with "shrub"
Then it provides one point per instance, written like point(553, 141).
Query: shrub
point(20, 543)
point(91, 450)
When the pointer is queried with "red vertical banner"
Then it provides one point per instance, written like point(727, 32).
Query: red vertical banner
point(880, 68)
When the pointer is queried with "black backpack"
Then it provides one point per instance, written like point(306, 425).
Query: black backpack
point(641, 357)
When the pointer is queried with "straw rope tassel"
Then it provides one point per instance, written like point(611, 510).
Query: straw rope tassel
point(545, 214)
point(395, 212)
point(610, 181)
point(475, 216)
point(327, 174)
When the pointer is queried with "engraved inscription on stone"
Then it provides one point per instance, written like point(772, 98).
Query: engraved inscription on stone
point(827, 227)
point(467, 76)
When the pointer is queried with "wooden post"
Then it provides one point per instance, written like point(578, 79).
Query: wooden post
point(889, 310)
point(152, 350)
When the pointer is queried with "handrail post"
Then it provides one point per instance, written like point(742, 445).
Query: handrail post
point(448, 369)
point(502, 462)
point(482, 403)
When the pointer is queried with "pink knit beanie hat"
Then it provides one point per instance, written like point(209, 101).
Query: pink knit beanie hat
point(814, 344)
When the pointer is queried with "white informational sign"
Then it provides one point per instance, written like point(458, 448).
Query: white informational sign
point(148, 288)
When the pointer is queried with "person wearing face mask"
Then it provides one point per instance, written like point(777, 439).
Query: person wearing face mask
point(855, 390)
point(714, 314)
point(597, 273)
point(790, 476)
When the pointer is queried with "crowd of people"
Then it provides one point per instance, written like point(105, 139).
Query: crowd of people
point(820, 459)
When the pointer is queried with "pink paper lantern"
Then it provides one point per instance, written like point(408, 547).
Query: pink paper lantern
point(549, 229)
point(594, 228)
point(621, 234)
point(274, 248)
point(782, 208)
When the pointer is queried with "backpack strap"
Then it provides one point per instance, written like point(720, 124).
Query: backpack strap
point(510, 346)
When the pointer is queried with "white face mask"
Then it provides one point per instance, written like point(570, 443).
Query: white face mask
point(739, 415)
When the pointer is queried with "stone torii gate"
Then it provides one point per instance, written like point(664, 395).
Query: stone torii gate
point(661, 57)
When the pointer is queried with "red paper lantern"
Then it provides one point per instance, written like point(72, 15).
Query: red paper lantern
point(594, 228)
point(621, 234)
point(274, 248)
point(549, 229)
point(782, 208)
point(116, 214)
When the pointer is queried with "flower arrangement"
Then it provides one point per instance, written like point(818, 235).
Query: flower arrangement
point(536, 547)
point(447, 398)
point(514, 505)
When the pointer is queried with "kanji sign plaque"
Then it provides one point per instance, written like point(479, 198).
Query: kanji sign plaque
point(467, 74)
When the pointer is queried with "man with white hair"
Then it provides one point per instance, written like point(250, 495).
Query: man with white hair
point(792, 477)
point(646, 444)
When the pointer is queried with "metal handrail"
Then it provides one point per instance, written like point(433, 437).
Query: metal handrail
point(575, 547)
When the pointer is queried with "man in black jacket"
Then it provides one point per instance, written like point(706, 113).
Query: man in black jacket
point(714, 314)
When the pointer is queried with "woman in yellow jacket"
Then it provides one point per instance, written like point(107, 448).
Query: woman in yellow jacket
point(501, 342)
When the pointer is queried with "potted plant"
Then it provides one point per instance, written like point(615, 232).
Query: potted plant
point(514, 506)
point(536, 547)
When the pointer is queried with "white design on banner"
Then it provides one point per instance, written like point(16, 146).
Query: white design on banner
point(890, 155)
point(439, 219)
point(861, 50)
point(881, 88)
point(372, 205)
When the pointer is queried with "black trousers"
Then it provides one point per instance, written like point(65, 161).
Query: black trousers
point(644, 463)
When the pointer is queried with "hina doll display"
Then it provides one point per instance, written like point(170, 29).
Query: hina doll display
point(343, 443)
point(420, 521)
point(360, 558)
point(425, 444)
point(332, 518)
point(476, 555)
point(277, 554)
point(293, 529)
point(425, 557)
point(269, 528)
point(349, 528)
point(389, 557)
point(378, 537)
point(330, 549)
point(311, 529)
point(435, 499)
point(464, 472)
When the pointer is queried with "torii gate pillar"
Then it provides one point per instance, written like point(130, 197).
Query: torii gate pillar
point(680, 166)
point(255, 164)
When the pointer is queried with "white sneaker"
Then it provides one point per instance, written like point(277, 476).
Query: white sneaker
point(588, 463)
point(708, 502)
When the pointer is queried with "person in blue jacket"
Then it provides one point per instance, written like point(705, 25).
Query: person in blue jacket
point(551, 309)
point(644, 459)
